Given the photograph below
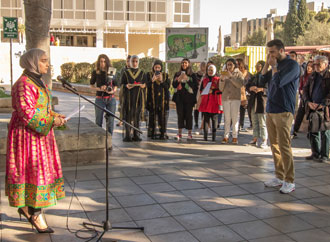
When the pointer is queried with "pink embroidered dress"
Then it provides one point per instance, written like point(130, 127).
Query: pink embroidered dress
point(33, 169)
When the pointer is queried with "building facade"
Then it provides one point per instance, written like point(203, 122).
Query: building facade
point(240, 30)
point(136, 25)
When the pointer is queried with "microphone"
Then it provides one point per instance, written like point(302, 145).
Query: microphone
point(65, 82)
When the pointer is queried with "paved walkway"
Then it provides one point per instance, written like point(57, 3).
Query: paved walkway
point(185, 192)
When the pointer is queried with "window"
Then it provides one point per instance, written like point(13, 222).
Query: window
point(74, 9)
point(135, 10)
point(182, 11)
point(11, 8)
point(114, 10)
point(157, 11)
point(82, 41)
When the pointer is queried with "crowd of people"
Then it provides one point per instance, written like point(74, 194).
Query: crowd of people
point(34, 178)
point(276, 98)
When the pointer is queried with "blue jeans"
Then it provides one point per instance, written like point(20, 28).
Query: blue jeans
point(109, 104)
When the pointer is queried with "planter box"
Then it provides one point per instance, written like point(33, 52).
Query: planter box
point(91, 143)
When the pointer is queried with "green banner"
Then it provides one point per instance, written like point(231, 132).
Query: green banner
point(10, 28)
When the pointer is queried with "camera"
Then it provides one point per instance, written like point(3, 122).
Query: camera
point(157, 73)
point(109, 82)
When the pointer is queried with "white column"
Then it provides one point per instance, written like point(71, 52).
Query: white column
point(99, 38)
point(99, 8)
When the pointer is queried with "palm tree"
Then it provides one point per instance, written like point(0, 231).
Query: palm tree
point(37, 23)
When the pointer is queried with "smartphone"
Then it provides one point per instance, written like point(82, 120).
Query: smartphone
point(157, 73)
point(183, 72)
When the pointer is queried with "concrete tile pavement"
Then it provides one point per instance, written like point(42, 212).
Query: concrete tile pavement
point(186, 191)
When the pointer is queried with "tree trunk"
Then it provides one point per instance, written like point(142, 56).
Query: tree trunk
point(37, 23)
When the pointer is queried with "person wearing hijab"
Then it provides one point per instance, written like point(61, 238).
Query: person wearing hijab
point(105, 88)
point(34, 178)
point(230, 85)
point(133, 83)
point(158, 85)
point(211, 101)
point(185, 88)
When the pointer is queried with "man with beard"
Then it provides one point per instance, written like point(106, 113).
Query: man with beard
point(282, 79)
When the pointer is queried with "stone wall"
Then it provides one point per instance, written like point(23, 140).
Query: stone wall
point(91, 143)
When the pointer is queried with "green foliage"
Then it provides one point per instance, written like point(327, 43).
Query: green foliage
point(172, 68)
point(279, 31)
point(67, 71)
point(3, 94)
point(83, 72)
point(218, 61)
point(311, 15)
point(317, 33)
point(291, 24)
point(118, 64)
point(322, 16)
point(303, 17)
point(146, 63)
point(258, 38)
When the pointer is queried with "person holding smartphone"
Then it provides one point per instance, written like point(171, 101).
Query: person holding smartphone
point(230, 85)
point(185, 87)
point(158, 85)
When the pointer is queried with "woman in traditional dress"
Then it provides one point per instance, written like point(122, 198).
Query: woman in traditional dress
point(34, 177)
point(211, 101)
point(185, 88)
point(133, 82)
point(158, 85)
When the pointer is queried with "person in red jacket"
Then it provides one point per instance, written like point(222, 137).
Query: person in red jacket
point(211, 101)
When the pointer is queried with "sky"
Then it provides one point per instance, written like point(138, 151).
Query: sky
point(222, 12)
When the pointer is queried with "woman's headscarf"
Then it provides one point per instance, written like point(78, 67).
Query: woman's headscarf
point(134, 57)
point(214, 69)
point(30, 60)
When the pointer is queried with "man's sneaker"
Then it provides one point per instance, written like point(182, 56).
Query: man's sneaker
point(275, 182)
point(287, 187)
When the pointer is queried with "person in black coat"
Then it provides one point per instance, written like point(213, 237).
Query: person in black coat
point(158, 85)
point(185, 89)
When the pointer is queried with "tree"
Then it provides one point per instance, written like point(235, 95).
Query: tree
point(291, 24)
point(322, 16)
point(258, 38)
point(317, 33)
point(303, 17)
point(37, 23)
point(278, 30)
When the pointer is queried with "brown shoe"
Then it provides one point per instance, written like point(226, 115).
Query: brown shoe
point(235, 141)
point(224, 141)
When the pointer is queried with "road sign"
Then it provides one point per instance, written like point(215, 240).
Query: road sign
point(10, 28)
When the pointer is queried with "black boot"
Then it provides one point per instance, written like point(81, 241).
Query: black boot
point(205, 135)
point(213, 135)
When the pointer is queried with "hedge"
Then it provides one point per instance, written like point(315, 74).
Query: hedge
point(81, 72)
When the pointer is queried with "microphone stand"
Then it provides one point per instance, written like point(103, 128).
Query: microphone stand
point(106, 225)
